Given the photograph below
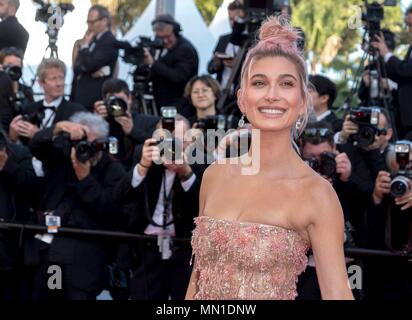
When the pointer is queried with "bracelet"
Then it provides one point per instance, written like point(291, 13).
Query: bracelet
point(146, 167)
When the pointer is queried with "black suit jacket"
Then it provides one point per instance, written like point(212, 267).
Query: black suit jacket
point(212, 68)
point(400, 71)
point(17, 183)
point(87, 89)
point(334, 121)
point(171, 72)
point(88, 204)
point(13, 34)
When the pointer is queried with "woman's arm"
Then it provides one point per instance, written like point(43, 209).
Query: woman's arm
point(192, 288)
point(326, 233)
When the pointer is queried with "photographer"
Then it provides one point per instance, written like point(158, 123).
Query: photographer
point(164, 198)
point(17, 183)
point(388, 226)
point(12, 33)
point(96, 59)
point(318, 150)
point(174, 66)
point(129, 128)
point(220, 66)
point(53, 108)
point(78, 193)
point(323, 93)
point(400, 71)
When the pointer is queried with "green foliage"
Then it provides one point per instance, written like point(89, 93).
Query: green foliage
point(208, 8)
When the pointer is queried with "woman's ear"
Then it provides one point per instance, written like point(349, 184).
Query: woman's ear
point(240, 101)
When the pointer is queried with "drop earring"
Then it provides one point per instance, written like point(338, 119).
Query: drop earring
point(241, 123)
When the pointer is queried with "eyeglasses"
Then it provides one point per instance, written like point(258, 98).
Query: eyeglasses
point(317, 132)
point(203, 91)
point(94, 21)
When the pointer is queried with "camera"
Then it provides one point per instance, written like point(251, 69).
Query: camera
point(135, 54)
point(217, 122)
point(399, 184)
point(43, 14)
point(116, 107)
point(14, 72)
point(373, 16)
point(168, 114)
point(325, 166)
point(35, 118)
point(367, 119)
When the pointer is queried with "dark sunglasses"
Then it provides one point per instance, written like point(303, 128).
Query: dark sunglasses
point(317, 132)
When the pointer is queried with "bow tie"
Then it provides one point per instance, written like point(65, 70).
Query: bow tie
point(51, 108)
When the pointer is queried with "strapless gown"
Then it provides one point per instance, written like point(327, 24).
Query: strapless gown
point(244, 260)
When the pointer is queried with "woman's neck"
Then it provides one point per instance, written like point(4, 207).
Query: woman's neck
point(275, 152)
point(203, 113)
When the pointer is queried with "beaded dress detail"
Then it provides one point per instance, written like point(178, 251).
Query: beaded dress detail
point(244, 260)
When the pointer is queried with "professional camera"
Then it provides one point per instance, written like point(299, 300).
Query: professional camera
point(217, 122)
point(367, 119)
point(399, 183)
point(373, 16)
point(325, 166)
point(116, 107)
point(258, 10)
point(14, 72)
point(35, 117)
point(135, 54)
point(43, 14)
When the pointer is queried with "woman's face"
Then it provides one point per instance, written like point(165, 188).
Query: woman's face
point(272, 97)
point(202, 96)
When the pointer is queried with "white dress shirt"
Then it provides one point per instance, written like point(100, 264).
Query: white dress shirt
point(137, 179)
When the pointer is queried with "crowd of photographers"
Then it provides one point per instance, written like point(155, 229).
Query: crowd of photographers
point(96, 161)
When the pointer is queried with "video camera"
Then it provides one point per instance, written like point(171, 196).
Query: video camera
point(325, 166)
point(399, 184)
point(373, 16)
point(135, 54)
point(43, 14)
point(116, 107)
point(368, 120)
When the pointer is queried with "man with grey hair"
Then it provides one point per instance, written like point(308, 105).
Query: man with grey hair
point(96, 59)
point(78, 193)
point(12, 33)
point(53, 108)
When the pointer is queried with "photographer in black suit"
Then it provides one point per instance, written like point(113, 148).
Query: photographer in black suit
point(96, 59)
point(12, 33)
point(53, 108)
point(78, 192)
point(163, 201)
point(130, 128)
point(174, 65)
point(17, 181)
point(223, 67)
point(400, 71)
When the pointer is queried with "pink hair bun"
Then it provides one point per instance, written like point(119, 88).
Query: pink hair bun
point(276, 32)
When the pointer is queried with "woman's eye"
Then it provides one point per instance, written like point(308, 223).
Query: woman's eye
point(287, 84)
point(258, 83)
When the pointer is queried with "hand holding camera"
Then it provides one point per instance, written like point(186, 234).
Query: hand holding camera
point(100, 109)
point(75, 130)
point(382, 187)
point(148, 58)
point(150, 153)
point(19, 127)
point(343, 167)
point(349, 128)
point(126, 122)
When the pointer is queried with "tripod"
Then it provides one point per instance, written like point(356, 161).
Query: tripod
point(143, 103)
point(52, 46)
point(384, 98)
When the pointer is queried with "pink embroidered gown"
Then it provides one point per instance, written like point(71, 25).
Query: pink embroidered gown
point(250, 261)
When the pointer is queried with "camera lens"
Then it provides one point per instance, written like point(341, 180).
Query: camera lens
point(399, 186)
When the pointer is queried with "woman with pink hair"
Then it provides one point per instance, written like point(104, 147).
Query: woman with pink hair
point(253, 231)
